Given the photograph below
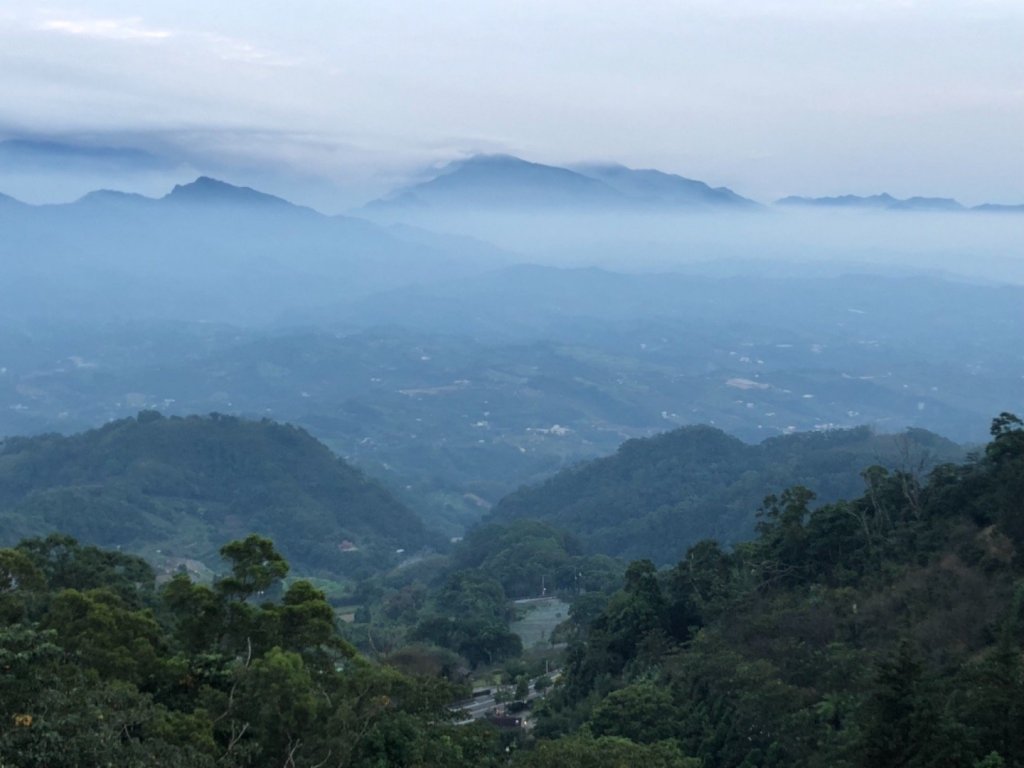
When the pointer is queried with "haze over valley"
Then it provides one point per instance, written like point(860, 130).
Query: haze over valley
point(455, 370)
point(475, 385)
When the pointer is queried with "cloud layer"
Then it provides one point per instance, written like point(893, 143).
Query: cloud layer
point(769, 97)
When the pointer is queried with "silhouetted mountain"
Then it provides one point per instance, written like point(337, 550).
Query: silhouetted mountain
point(487, 181)
point(998, 208)
point(209, 250)
point(103, 197)
point(656, 188)
point(883, 201)
point(890, 203)
point(207, 191)
point(203, 193)
point(657, 496)
point(503, 182)
point(179, 488)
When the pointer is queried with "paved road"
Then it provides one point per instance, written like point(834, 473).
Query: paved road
point(479, 707)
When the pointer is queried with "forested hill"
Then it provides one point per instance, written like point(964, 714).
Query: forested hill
point(657, 496)
point(881, 632)
point(176, 488)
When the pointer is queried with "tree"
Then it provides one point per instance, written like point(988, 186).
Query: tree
point(306, 622)
point(66, 564)
point(278, 708)
point(103, 633)
point(198, 613)
point(255, 566)
point(783, 537)
point(19, 580)
point(584, 751)
point(643, 712)
point(905, 723)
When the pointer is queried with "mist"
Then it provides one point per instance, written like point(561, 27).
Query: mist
point(971, 245)
point(495, 320)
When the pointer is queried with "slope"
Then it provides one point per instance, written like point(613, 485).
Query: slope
point(209, 251)
point(657, 496)
point(177, 488)
point(656, 188)
point(507, 183)
point(880, 631)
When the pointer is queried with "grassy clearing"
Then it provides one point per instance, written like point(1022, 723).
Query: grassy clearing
point(537, 621)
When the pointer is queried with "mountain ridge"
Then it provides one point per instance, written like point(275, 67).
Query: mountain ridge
point(174, 488)
point(656, 496)
point(208, 190)
point(886, 202)
point(213, 251)
point(658, 187)
point(506, 181)
point(607, 184)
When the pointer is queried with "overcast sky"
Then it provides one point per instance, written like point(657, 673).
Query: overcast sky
point(769, 97)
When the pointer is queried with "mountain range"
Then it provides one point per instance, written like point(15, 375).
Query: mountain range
point(504, 183)
point(211, 251)
point(886, 202)
point(486, 182)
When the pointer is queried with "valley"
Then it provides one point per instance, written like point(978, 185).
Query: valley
point(512, 385)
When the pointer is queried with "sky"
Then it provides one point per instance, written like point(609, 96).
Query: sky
point(340, 101)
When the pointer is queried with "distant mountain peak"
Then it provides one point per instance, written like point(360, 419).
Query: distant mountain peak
point(999, 208)
point(113, 195)
point(494, 160)
point(207, 190)
point(505, 181)
point(653, 187)
point(883, 201)
point(501, 181)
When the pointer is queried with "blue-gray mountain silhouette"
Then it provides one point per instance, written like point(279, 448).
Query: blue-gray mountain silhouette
point(504, 182)
point(653, 187)
point(209, 250)
point(883, 201)
point(209, 191)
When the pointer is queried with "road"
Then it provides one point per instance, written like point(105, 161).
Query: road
point(480, 706)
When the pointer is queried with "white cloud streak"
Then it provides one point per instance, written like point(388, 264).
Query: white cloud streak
point(128, 29)
point(769, 96)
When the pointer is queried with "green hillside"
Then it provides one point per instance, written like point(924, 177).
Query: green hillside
point(172, 489)
point(657, 496)
point(881, 632)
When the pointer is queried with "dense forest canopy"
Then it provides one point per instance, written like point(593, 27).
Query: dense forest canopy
point(657, 496)
point(172, 488)
point(884, 630)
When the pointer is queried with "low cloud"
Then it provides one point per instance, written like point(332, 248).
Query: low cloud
point(107, 29)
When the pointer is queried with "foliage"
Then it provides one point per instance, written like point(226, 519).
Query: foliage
point(658, 496)
point(605, 752)
point(886, 630)
point(881, 631)
point(196, 675)
point(529, 557)
point(171, 488)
